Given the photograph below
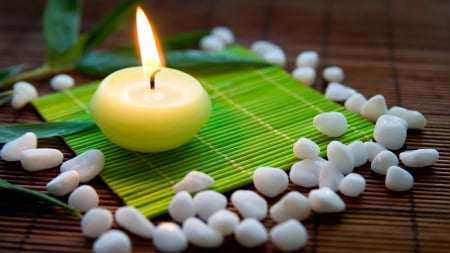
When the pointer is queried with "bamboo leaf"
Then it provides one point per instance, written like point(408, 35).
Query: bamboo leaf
point(43, 130)
point(38, 196)
point(102, 63)
point(7, 73)
point(183, 40)
point(61, 29)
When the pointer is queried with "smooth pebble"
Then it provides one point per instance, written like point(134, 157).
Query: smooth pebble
point(168, 237)
point(372, 149)
point(382, 161)
point(305, 75)
point(83, 197)
point(293, 205)
point(341, 156)
point(398, 179)
point(23, 92)
point(333, 74)
point(420, 157)
point(307, 59)
point(40, 158)
point(306, 172)
point(200, 234)
point(224, 34)
point(305, 148)
point(390, 131)
point(112, 241)
point(374, 108)
point(352, 185)
point(207, 202)
point(276, 56)
point(62, 82)
point(414, 119)
point(270, 181)
point(359, 153)
point(96, 221)
point(182, 207)
point(289, 236)
point(212, 43)
point(134, 221)
point(332, 124)
point(11, 150)
point(330, 176)
point(87, 164)
point(355, 102)
point(251, 233)
point(64, 183)
point(194, 181)
point(223, 221)
point(261, 47)
point(325, 200)
point(249, 204)
point(338, 91)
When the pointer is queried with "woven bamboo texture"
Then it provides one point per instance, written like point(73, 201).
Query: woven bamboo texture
point(396, 48)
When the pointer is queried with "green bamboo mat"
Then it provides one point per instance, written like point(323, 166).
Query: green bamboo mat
point(258, 113)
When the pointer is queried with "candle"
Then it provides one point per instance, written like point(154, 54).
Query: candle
point(149, 108)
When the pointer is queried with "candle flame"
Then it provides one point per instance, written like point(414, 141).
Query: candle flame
point(148, 42)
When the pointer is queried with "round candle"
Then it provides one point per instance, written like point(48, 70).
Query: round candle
point(136, 116)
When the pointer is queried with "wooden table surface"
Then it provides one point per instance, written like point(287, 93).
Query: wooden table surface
point(400, 49)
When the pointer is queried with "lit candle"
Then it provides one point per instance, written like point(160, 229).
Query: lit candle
point(150, 108)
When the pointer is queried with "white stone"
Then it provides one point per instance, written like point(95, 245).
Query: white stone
point(333, 74)
point(62, 82)
point(23, 92)
point(289, 236)
point(338, 91)
point(212, 43)
point(292, 205)
point(200, 234)
point(306, 172)
point(168, 237)
point(40, 158)
point(182, 207)
point(305, 75)
point(359, 153)
point(64, 183)
point(261, 47)
point(224, 34)
point(307, 59)
point(352, 185)
point(330, 176)
point(112, 241)
point(325, 200)
point(276, 56)
point(355, 102)
point(305, 148)
point(420, 157)
point(11, 150)
point(332, 124)
point(249, 204)
point(134, 221)
point(382, 161)
point(194, 181)
point(390, 132)
point(414, 119)
point(270, 181)
point(88, 164)
point(223, 221)
point(341, 156)
point(372, 149)
point(96, 221)
point(83, 197)
point(374, 108)
point(250, 233)
point(398, 179)
point(207, 202)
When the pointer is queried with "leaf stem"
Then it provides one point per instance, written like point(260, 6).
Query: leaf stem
point(40, 72)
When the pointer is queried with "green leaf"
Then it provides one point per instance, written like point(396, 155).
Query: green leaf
point(43, 130)
point(61, 29)
point(102, 63)
point(7, 73)
point(183, 40)
point(38, 195)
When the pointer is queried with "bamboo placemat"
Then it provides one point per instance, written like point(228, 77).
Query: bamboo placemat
point(258, 113)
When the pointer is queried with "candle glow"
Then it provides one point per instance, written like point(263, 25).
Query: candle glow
point(151, 53)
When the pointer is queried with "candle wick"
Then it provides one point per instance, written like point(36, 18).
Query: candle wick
point(152, 79)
